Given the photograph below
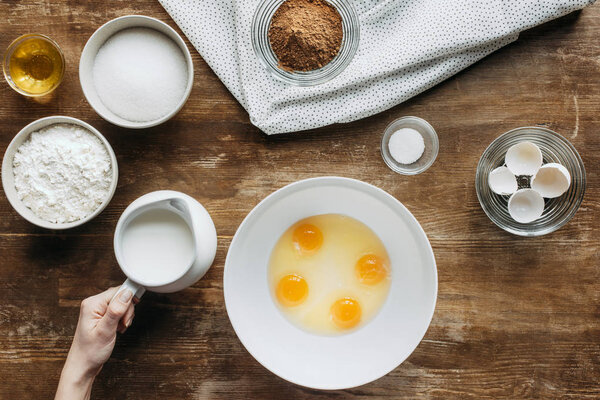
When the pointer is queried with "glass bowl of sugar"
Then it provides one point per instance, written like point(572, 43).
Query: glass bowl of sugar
point(409, 145)
point(136, 71)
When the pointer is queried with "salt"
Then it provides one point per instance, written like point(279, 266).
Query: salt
point(140, 74)
point(406, 145)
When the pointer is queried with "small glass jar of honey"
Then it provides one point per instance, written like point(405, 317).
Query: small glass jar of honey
point(33, 65)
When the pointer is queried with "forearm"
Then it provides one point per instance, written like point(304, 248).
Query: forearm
point(99, 320)
point(75, 381)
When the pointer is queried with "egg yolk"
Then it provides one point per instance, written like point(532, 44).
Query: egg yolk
point(371, 269)
point(292, 290)
point(307, 238)
point(346, 313)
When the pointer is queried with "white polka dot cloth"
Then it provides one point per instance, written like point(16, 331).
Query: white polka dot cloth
point(406, 47)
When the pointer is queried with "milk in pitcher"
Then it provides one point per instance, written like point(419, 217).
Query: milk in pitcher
point(158, 246)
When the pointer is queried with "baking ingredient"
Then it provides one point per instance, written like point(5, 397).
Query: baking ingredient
point(305, 34)
point(346, 313)
point(526, 205)
point(329, 274)
point(406, 145)
point(292, 290)
point(62, 172)
point(502, 181)
point(140, 74)
point(552, 180)
point(524, 158)
point(157, 246)
point(371, 269)
point(36, 65)
point(307, 238)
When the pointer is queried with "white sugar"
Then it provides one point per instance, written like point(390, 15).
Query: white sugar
point(406, 145)
point(140, 74)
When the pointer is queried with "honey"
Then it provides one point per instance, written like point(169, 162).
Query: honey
point(34, 65)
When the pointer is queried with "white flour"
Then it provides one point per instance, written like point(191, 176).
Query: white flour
point(62, 173)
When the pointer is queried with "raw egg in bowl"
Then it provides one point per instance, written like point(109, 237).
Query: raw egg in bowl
point(330, 283)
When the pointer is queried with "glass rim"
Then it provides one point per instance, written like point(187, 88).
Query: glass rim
point(11, 48)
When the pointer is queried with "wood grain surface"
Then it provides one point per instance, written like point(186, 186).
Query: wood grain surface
point(515, 317)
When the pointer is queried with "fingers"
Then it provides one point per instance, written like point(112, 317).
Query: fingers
point(96, 305)
point(125, 322)
point(115, 311)
point(105, 296)
point(108, 294)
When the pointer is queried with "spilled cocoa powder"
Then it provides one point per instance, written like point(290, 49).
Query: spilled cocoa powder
point(305, 34)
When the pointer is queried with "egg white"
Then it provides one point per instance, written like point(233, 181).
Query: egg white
point(329, 272)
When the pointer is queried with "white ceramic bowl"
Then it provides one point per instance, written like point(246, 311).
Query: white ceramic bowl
point(8, 176)
point(330, 362)
point(88, 55)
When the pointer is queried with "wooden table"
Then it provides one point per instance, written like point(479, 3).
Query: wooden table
point(515, 317)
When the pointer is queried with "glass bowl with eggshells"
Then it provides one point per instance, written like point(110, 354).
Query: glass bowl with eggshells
point(530, 181)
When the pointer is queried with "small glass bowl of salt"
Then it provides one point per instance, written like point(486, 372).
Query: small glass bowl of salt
point(409, 145)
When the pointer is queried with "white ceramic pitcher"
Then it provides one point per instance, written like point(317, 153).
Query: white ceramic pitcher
point(200, 224)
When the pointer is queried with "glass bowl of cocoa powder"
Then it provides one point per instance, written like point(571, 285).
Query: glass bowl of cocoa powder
point(305, 42)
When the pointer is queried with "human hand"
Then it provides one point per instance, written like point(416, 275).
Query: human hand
point(100, 318)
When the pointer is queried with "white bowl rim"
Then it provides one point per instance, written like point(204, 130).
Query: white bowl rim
point(180, 42)
point(7, 168)
point(348, 181)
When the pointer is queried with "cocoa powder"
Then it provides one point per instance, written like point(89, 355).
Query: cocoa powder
point(305, 34)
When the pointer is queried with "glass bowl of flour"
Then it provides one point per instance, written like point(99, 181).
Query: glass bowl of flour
point(59, 172)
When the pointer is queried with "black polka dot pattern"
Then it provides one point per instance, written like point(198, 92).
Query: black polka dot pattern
point(405, 48)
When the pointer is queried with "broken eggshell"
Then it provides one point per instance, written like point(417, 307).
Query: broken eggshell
point(502, 181)
point(524, 158)
point(552, 180)
point(526, 205)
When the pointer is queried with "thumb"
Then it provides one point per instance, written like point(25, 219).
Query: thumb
point(115, 311)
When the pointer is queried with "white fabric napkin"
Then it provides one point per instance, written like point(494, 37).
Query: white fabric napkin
point(406, 47)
